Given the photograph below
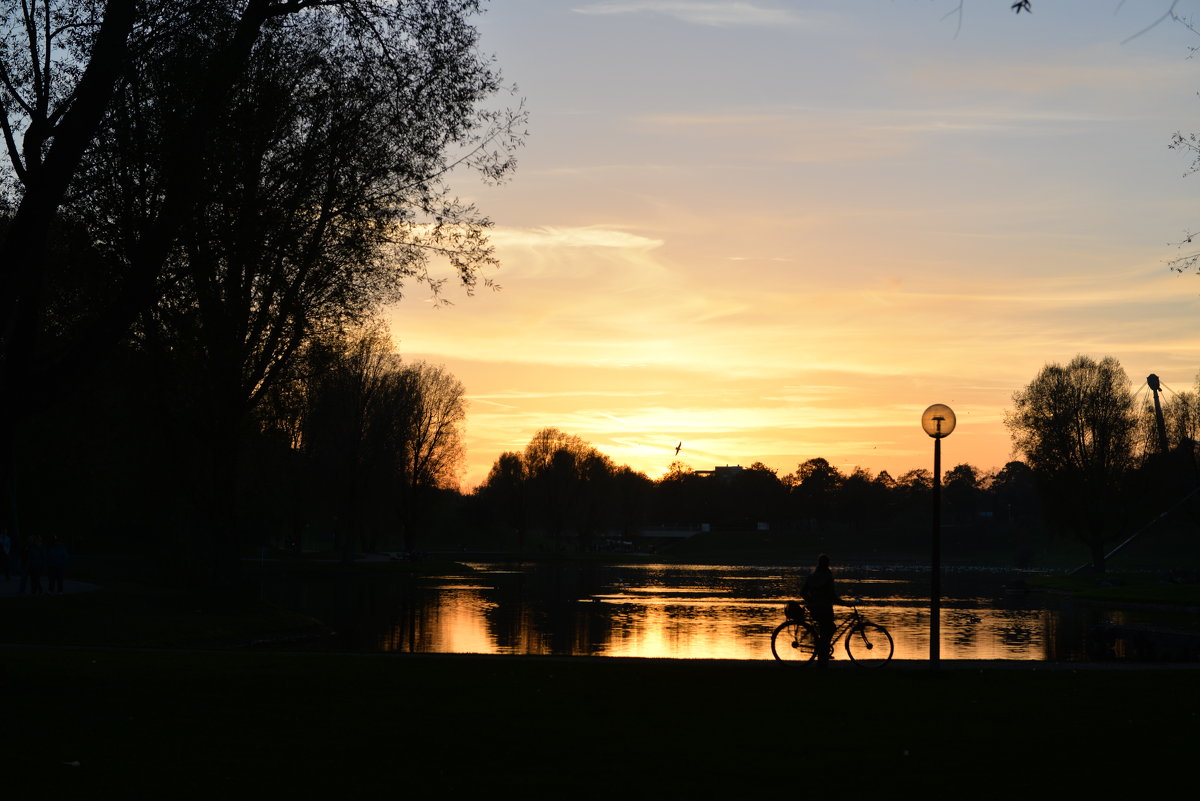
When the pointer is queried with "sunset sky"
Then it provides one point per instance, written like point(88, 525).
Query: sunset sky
point(779, 229)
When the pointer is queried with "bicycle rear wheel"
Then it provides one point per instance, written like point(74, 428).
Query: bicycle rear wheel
point(794, 641)
point(869, 644)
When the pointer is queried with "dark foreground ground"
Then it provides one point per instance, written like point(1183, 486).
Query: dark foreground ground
point(168, 715)
point(215, 724)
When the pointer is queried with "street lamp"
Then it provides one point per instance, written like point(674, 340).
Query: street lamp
point(938, 422)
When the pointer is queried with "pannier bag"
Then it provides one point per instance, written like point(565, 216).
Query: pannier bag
point(794, 610)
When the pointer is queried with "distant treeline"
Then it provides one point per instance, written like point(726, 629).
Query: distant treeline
point(561, 493)
point(561, 490)
point(352, 449)
point(357, 452)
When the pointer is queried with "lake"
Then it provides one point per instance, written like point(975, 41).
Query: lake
point(690, 611)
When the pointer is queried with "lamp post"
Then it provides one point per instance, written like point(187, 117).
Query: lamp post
point(938, 421)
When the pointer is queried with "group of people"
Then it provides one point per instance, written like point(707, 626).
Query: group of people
point(31, 559)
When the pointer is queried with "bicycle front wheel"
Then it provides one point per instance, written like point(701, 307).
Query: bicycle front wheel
point(794, 641)
point(869, 644)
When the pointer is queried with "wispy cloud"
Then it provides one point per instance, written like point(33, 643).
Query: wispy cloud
point(596, 236)
point(586, 393)
point(1070, 72)
point(711, 14)
point(946, 119)
point(854, 135)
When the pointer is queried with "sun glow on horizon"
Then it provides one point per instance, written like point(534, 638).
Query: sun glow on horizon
point(791, 251)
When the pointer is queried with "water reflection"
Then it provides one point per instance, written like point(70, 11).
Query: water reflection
point(678, 611)
point(457, 625)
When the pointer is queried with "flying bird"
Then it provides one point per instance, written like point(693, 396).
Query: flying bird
point(677, 447)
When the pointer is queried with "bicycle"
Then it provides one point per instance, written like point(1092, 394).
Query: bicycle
point(795, 639)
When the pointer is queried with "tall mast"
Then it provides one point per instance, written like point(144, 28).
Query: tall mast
point(1155, 387)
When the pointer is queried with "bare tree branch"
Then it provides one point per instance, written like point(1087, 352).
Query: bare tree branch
point(1168, 14)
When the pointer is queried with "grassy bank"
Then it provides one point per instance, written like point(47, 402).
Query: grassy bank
point(1122, 588)
point(127, 614)
point(195, 723)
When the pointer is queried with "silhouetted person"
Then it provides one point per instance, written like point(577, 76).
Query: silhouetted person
point(56, 564)
point(819, 596)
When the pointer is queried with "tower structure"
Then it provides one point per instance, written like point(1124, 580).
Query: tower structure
point(1156, 387)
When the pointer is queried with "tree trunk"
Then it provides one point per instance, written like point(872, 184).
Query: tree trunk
point(23, 247)
point(408, 520)
point(9, 519)
point(219, 458)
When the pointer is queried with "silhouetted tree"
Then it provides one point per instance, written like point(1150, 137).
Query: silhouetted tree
point(1181, 417)
point(570, 484)
point(563, 484)
point(633, 500)
point(683, 497)
point(911, 496)
point(553, 459)
point(597, 496)
point(1075, 426)
point(428, 413)
point(916, 480)
point(962, 493)
point(383, 437)
point(1164, 477)
point(814, 489)
point(759, 495)
point(262, 167)
point(506, 492)
point(350, 434)
point(863, 500)
point(1013, 491)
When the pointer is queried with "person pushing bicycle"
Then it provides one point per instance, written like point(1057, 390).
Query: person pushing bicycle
point(820, 594)
point(806, 636)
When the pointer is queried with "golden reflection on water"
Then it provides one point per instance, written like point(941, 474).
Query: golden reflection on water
point(687, 622)
point(715, 630)
point(711, 629)
point(457, 625)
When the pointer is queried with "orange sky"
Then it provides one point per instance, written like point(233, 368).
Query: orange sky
point(774, 231)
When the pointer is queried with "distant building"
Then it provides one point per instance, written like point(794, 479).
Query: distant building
point(673, 532)
point(727, 472)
